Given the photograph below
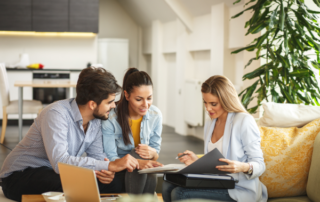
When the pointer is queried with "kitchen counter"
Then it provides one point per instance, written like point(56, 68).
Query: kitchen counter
point(45, 69)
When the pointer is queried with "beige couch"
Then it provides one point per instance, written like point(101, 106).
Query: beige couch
point(313, 186)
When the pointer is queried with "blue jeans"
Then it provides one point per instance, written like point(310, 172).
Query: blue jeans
point(171, 192)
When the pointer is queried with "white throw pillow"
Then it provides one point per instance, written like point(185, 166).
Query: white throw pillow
point(288, 115)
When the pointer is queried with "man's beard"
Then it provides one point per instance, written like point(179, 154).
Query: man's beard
point(99, 116)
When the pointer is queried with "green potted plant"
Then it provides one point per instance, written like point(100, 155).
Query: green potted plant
point(290, 31)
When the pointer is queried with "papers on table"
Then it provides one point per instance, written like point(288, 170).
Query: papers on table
point(165, 168)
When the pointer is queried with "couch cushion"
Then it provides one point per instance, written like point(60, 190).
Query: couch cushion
point(288, 115)
point(291, 199)
point(287, 154)
point(313, 186)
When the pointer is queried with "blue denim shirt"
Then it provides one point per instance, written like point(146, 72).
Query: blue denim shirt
point(150, 134)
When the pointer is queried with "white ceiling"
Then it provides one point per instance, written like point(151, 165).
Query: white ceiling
point(146, 11)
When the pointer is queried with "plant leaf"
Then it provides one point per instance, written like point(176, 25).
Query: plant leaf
point(248, 48)
point(255, 73)
point(275, 96)
point(315, 64)
point(313, 12)
point(250, 2)
point(316, 2)
point(273, 17)
point(285, 93)
point(236, 2)
point(257, 28)
point(282, 16)
point(238, 14)
point(253, 109)
point(299, 73)
point(255, 58)
point(246, 97)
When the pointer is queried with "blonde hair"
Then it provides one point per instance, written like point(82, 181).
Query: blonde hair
point(222, 87)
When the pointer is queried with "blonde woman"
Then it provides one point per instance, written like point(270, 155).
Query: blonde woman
point(235, 134)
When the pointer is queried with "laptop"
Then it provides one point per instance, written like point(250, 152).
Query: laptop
point(80, 184)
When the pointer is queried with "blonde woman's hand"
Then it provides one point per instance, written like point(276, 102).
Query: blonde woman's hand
point(188, 158)
point(233, 166)
point(146, 152)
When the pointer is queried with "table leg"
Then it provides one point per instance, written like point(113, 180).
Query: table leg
point(20, 111)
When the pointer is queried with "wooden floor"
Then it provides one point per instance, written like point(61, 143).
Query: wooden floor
point(160, 197)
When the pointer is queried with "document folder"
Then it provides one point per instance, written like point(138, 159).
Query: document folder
point(205, 165)
point(192, 182)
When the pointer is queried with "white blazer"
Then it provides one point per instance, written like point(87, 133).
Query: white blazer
point(241, 142)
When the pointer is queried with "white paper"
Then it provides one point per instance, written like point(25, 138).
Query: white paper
point(168, 167)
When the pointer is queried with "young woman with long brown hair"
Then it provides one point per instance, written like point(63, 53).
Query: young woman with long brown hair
point(134, 128)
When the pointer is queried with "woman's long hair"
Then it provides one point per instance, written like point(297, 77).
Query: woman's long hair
point(221, 87)
point(132, 78)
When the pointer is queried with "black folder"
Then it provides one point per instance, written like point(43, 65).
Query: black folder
point(205, 165)
point(191, 182)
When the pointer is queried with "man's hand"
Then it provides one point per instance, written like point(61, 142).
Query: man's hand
point(188, 158)
point(146, 152)
point(144, 164)
point(105, 176)
point(126, 162)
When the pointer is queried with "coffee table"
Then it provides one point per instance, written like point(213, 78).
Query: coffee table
point(39, 198)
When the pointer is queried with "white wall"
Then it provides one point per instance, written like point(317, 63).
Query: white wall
point(52, 52)
point(180, 54)
point(114, 22)
point(236, 28)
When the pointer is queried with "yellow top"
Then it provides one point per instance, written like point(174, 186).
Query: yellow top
point(135, 129)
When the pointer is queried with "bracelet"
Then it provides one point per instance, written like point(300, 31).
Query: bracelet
point(250, 171)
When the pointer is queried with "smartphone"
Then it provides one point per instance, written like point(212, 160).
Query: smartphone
point(110, 196)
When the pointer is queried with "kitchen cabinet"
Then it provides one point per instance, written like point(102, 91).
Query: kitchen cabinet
point(84, 16)
point(50, 16)
point(15, 15)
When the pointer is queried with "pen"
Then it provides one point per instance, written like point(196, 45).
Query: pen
point(181, 156)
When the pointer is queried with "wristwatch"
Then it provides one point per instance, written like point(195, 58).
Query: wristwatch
point(250, 169)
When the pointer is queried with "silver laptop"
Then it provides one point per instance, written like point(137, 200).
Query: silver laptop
point(80, 184)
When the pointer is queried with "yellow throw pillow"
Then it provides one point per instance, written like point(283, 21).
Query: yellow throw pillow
point(287, 153)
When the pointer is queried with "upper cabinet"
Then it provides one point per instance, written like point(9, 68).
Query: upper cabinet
point(49, 15)
point(84, 16)
point(15, 15)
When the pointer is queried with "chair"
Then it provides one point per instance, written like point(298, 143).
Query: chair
point(11, 107)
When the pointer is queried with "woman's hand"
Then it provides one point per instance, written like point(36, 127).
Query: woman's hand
point(233, 166)
point(146, 152)
point(188, 158)
point(144, 164)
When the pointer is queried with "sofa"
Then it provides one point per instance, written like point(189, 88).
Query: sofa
point(313, 184)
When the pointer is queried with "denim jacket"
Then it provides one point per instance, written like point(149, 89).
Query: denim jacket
point(150, 134)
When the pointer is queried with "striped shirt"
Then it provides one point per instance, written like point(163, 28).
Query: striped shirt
point(56, 136)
